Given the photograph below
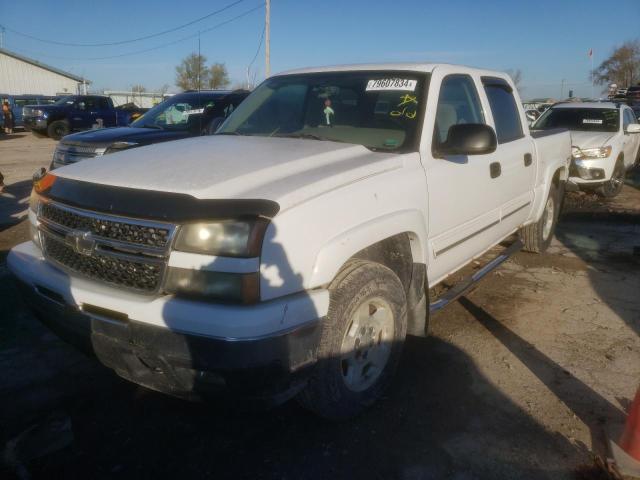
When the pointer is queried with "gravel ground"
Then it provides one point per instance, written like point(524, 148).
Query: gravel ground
point(519, 379)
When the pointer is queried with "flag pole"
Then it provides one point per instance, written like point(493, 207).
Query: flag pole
point(592, 74)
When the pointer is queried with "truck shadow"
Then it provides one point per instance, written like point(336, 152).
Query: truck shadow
point(608, 245)
point(14, 202)
point(441, 418)
point(589, 406)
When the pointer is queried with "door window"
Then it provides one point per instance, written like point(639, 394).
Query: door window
point(458, 104)
point(505, 111)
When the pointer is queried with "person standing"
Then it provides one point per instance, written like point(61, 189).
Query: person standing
point(8, 117)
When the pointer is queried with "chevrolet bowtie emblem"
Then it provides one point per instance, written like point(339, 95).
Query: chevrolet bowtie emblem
point(81, 242)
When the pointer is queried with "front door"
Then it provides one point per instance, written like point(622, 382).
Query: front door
point(464, 205)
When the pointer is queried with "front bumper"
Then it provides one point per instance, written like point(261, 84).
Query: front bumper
point(593, 172)
point(170, 356)
point(35, 123)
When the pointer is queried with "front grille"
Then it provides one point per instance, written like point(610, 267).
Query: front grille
point(122, 252)
point(140, 276)
point(66, 153)
point(120, 230)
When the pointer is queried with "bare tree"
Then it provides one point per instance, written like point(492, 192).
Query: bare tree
point(622, 67)
point(192, 73)
point(516, 76)
point(218, 76)
point(138, 88)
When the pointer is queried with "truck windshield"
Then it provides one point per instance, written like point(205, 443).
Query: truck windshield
point(178, 112)
point(580, 119)
point(65, 101)
point(378, 109)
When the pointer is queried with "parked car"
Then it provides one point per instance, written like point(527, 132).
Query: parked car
point(290, 253)
point(606, 142)
point(73, 113)
point(633, 93)
point(18, 102)
point(180, 116)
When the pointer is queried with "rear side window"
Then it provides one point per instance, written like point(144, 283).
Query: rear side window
point(504, 109)
point(458, 104)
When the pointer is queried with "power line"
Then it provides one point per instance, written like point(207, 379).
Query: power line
point(137, 52)
point(122, 42)
point(259, 47)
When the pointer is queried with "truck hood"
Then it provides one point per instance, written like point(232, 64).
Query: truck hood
point(107, 136)
point(590, 139)
point(287, 171)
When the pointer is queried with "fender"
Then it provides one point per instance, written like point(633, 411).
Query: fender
point(541, 191)
point(340, 248)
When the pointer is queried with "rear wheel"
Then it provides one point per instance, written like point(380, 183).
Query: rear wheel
point(58, 129)
point(361, 341)
point(613, 187)
point(537, 236)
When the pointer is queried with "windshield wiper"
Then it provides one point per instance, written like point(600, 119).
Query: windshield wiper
point(309, 136)
point(232, 133)
point(157, 127)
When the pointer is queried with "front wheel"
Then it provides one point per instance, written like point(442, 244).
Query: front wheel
point(537, 237)
point(58, 129)
point(613, 187)
point(361, 341)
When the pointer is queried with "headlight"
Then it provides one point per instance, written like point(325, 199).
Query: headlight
point(602, 152)
point(227, 238)
point(208, 285)
point(38, 113)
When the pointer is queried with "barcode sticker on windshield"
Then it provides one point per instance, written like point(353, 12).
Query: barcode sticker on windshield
point(195, 111)
point(403, 84)
point(597, 121)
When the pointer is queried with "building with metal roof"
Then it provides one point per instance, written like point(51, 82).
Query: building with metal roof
point(20, 75)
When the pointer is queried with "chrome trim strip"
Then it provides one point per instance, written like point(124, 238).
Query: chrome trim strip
point(468, 237)
point(516, 210)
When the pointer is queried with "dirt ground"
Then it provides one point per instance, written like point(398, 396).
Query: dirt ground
point(519, 379)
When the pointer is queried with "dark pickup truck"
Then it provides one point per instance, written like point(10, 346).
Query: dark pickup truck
point(183, 115)
point(74, 113)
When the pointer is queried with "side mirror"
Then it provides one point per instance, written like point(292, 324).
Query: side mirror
point(469, 139)
point(633, 128)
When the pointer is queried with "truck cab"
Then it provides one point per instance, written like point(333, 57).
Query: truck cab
point(290, 254)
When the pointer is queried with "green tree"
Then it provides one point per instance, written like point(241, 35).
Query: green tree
point(192, 73)
point(218, 76)
point(622, 67)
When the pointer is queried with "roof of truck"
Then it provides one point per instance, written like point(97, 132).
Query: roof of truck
point(409, 66)
point(586, 105)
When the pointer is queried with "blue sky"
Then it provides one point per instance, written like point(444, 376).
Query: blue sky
point(547, 39)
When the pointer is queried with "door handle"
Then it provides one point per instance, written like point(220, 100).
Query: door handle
point(495, 169)
point(528, 159)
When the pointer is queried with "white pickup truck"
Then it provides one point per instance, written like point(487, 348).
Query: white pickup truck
point(291, 253)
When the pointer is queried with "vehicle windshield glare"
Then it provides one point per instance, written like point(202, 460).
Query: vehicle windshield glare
point(64, 101)
point(580, 119)
point(176, 113)
point(379, 110)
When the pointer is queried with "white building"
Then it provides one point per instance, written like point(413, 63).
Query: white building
point(20, 75)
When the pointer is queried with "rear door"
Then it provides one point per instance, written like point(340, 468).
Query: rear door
point(516, 178)
point(464, 203)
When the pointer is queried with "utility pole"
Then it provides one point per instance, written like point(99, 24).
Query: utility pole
point(199, 60)
point(562, 90)
point(1, 36)
point(267, 44)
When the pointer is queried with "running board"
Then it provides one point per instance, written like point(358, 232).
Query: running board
point(468, 282)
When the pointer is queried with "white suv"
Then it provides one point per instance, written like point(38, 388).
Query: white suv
point(605, 142)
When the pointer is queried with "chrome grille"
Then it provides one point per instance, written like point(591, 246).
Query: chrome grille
point(122, 252)
point(113, 229)
point(66, 153)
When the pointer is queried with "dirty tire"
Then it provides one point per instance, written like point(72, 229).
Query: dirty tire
point(58, 129)
point(331, 392)
point(614, 186)
point(537, 237)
